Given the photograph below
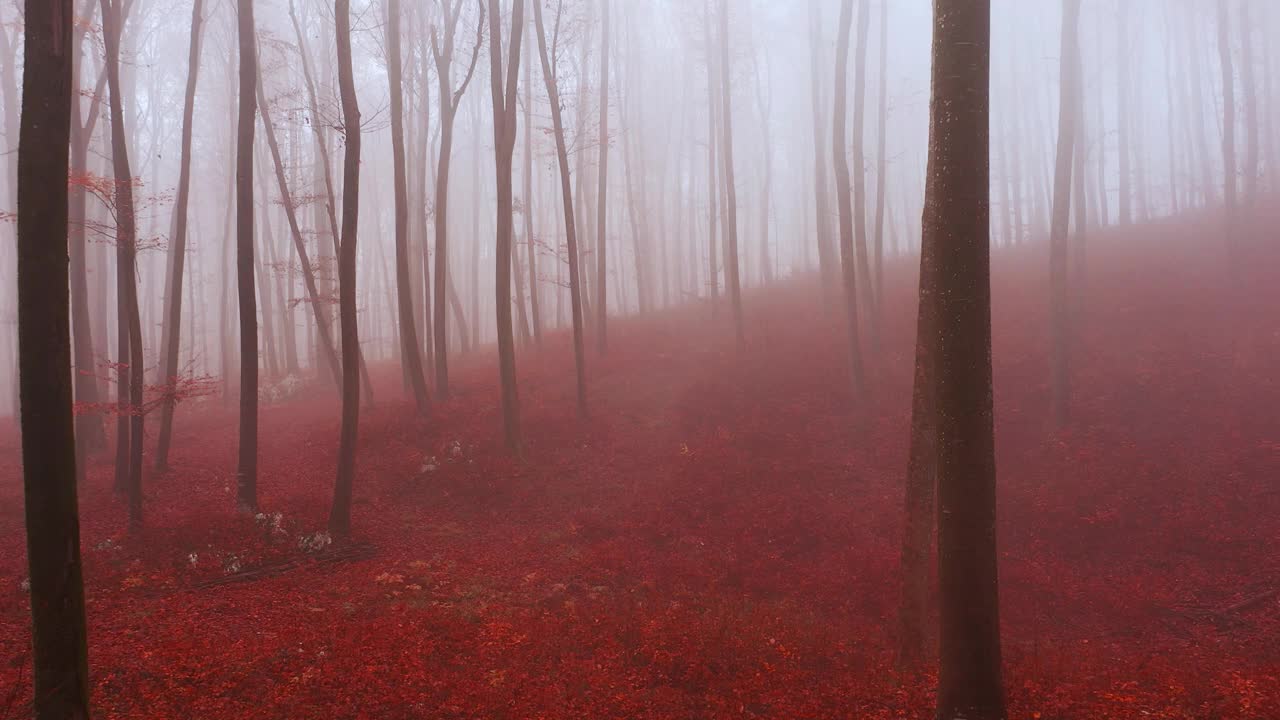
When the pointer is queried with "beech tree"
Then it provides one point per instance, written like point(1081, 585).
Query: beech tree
point(957, 229)
point(550, 77)
point(247, 462)
point(602, 190)
point(442, 50)
point(843, 203)
point(60, 667)
point(178, 248)
point(1059, 323)
point(129, 425)
point(410, 357)
point(340, 515)
point(503, 88)
point(731, 277)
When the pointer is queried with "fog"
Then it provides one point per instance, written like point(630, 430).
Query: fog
point(694, 166)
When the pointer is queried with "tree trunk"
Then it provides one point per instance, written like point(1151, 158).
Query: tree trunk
point(409, 353)
point(1059, 323)
point(504, 139)
point(602, 196)
point(549, 75)
point(826, 256)
point(60, 650)
point(340, 515)
point(956, 225)
point(178, 248)
point(317, 303)
point(449, 99)
point(247, 464)
point(731, 276)
point(1228, 132)
point(129, 405)
point(843, 204)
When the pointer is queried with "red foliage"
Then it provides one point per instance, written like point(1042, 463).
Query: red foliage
point(720, 541)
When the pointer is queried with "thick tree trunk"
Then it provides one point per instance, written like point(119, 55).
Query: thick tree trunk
point(60, 649)
point(956, 225)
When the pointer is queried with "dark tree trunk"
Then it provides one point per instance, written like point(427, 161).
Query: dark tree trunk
point(247, 464)
point(860, 175)
point(549, 75)
point(409, 353)
point(60, 650)
point(956, 225)
point(90, 435)
point(129, 406)
point(340, 515)
point(843, 203)
point(504, 139)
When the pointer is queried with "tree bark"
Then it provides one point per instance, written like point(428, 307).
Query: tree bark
point(1059, 322)
point(247, 463)
point(504, 139)
point(130, 375)
point(340, 515)
point(60, 649)
point(549, 75)
point(956, 225)
point(732, 277)
point(409, 353)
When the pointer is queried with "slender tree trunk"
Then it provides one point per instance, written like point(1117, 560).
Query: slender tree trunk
point(247, 463)
point(59, 663)
point(827, 260)
point(530, 245)
point(504, 139)
point(178, 249)
point(90, 435)
point(731, 276)
point(404, 291)
point(317, 303)
point(130, 427)
point(1250, 107)
point(340, 516)
point(549, 76)
point(1228, 131)
point(602, 196)
point(843, 203)
point(1123, 119)
point(882, 165)
point(1059, 323)
point(860, 174)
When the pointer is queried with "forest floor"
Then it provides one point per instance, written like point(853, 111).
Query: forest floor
point(721, 539)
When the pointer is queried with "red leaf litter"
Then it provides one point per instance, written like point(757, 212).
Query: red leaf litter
point(720, 539)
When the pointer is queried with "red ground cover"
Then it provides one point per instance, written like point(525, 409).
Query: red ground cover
point(720, 540)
